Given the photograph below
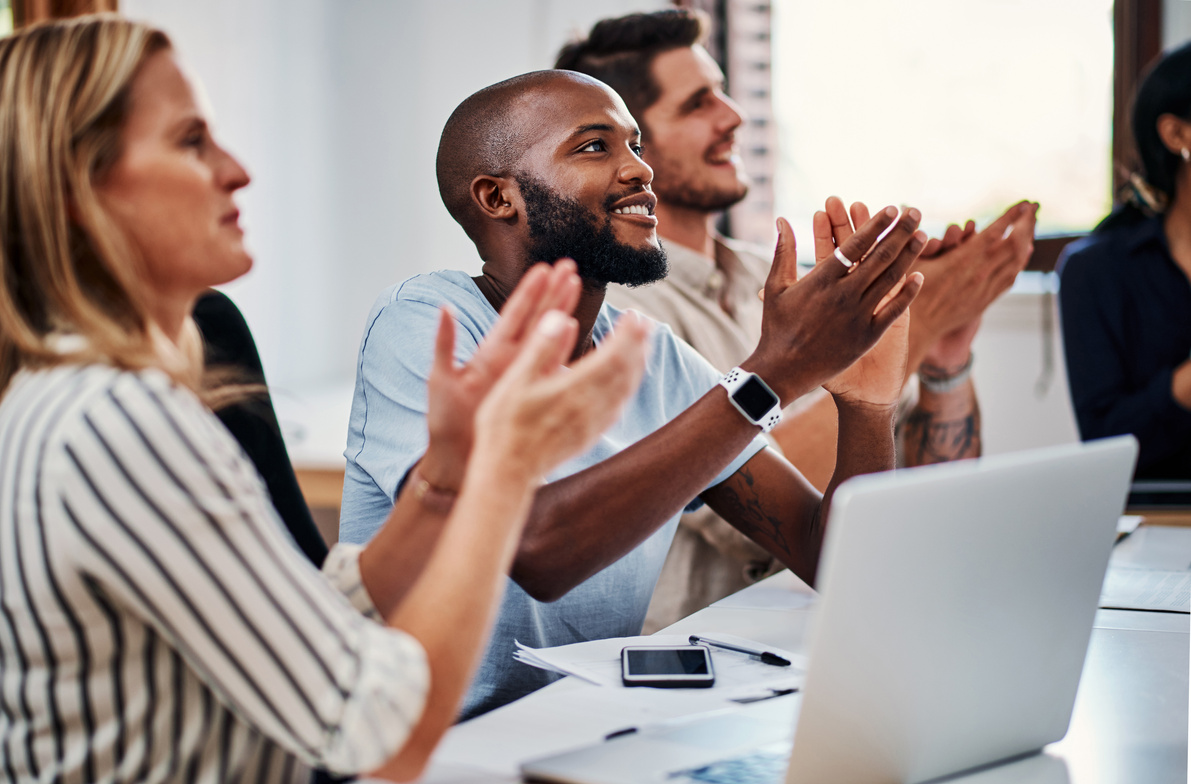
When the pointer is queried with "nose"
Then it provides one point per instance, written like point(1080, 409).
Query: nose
point(635, 170)
point(731, 115)
point(232, 175)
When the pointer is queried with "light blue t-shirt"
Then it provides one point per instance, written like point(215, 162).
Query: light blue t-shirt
point(387, 435)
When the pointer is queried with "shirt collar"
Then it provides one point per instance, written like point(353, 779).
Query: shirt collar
point(1150, 231)
point(692, 270)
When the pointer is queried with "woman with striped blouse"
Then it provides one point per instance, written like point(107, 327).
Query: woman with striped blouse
point(156, 624)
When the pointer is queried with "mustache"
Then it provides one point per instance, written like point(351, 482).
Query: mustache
point(608, 202)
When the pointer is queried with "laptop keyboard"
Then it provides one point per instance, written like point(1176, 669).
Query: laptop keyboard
point(759, 767)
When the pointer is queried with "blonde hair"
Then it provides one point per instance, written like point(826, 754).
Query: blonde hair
point(64, 265)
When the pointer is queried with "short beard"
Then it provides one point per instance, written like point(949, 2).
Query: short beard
point(560, 227)
point(702, 199)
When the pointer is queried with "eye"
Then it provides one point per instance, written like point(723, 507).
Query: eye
point(595, 145)
point(638, 150)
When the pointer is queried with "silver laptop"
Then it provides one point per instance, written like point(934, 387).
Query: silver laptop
point(957, 603)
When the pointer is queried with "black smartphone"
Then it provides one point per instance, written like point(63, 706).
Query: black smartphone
point(683, 667)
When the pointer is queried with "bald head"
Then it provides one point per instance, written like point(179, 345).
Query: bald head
point(488, 134)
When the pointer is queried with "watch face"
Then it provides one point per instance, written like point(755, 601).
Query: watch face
point(754, 398)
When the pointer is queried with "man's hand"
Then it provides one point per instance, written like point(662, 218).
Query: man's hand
point(816, 327)
point(540, 414)
point(454, 393)
point(966, 270)
point(878, 376)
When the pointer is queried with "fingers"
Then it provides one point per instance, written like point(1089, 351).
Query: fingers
point(997, 228)
point(864, 237)
point(859, 213)
point(546, 348)
point(522, 305)
point(841, 224)
point(824, 238)
point(444, 342)
point(899, 303)
point(615, 369)
point(886, 257)
point(784, 271)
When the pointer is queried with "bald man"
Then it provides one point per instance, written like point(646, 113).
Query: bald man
point(548, 165)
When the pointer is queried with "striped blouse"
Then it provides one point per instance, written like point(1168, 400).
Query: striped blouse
point(156, 622)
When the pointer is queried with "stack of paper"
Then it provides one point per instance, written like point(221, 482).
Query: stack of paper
point(737, 675)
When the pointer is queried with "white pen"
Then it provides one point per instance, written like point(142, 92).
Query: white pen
point(765, 656)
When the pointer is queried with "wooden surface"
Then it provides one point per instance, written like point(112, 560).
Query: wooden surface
point(322, 487)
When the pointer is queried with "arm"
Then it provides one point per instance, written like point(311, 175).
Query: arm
point(942, 425)
point(1108, 399)
point(519, 436)
point(813, 329)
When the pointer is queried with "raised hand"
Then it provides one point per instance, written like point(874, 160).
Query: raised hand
point(878, 376)
point(456, 392)
point(966, 272)
point(540, 413)
point(814, 328)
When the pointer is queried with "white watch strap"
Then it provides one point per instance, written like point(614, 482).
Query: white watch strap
point(733, 380)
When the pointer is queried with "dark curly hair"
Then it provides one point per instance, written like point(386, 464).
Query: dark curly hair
point(619, 52)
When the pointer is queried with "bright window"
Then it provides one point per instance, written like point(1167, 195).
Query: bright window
point(957, 108)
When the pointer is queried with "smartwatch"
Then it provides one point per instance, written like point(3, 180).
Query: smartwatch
point(753, 398)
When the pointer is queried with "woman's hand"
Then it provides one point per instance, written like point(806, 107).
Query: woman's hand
point(541, 413)
point(454, 393)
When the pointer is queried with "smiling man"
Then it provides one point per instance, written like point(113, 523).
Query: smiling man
point(675, 89)
point(547, 165)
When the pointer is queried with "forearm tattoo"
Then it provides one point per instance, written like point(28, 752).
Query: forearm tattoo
point(743, 507)
point(927, 438)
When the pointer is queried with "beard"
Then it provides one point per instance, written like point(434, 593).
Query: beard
point(675, 183)
point(562, 227)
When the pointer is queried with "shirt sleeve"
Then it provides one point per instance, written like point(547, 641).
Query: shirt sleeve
point(175, 527)
point(387, 433)
point(1095, 347)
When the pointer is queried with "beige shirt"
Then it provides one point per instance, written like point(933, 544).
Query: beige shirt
point(713, 305)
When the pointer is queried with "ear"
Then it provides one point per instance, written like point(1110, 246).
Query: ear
point(497, 197)
point(1175, 133)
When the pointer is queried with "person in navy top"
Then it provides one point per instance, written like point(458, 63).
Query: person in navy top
point(1125, 294)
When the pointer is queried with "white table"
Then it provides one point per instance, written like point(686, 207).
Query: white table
point(1129, 725)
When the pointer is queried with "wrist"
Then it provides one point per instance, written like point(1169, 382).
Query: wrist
point(442, 466)
point(436, 498)
point(941, 379)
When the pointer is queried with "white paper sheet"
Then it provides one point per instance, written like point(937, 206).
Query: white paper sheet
point(737, 675)
point(1146, 589)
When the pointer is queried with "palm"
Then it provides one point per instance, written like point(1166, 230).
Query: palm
point(878, 375)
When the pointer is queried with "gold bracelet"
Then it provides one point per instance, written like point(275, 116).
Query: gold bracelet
point(436, 499)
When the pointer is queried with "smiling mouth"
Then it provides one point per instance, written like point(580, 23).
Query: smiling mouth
point(633, 209)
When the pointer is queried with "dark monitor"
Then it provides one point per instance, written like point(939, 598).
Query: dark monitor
point(1160, 494)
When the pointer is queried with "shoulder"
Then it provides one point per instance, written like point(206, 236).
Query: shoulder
point(97, 414)
point(408, 310)
point(1107, 254)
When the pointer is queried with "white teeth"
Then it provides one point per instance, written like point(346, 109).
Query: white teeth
point(636, 209)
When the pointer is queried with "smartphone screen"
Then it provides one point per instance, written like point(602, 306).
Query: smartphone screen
point(667, 661)
point(667, 667)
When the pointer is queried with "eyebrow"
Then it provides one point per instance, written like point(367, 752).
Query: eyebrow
point(192, 123)
point(693, 99)
point(582, 129)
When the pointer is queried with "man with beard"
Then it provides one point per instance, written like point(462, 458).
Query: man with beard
point(548, 164)
point(674, 89)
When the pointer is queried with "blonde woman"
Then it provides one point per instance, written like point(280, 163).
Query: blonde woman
point(155, 622)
